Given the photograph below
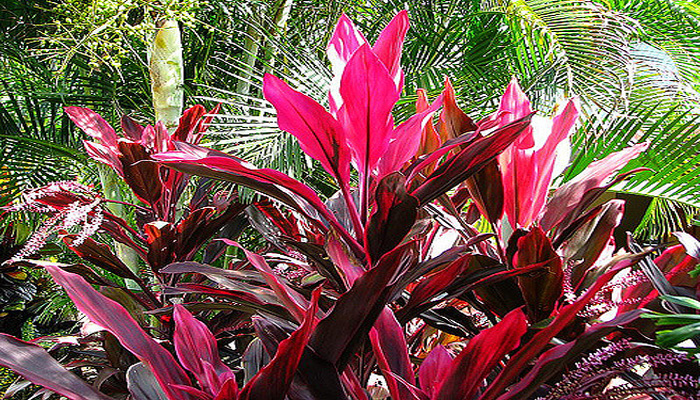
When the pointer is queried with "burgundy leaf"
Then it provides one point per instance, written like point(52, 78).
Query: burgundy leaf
point(541, 289)
point(356, 310)
point(483, 352)
point(291, 299)
point(140, 172)
point(541, 339)
point(188, 124)
point(99, 254)
point(486, 190)
point(206, 162)
point(37, 366)
point(393, 217)
point(431, 285)
point(468, 161)
point(555, 359)
point(114, 318)
point(132, 130)
point(161, 237)
point(272, 382)
point(586, 244)
point(567, 197)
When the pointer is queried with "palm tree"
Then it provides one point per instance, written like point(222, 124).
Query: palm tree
point(633, 64)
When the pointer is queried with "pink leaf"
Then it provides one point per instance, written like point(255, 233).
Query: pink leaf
point(319, 134)
point(568, 196)
point(389, 44)
point(196, 348)
point(93, 124)
point(405, 140)
point(113, 317)
point(369, 95)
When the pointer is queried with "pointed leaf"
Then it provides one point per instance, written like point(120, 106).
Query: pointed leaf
point(356, 310)
point(272, 382)
point(196, 349)
point(468, 161)
point(393, 217)
point(434, 370)
point(37, 366)
point(389, 45)
point(542, 289)
point(318, 133)
point(114, 318)
point(569, 195)
point(483, 352)
point(93, 124)
point(390, 348)
point(369, 94)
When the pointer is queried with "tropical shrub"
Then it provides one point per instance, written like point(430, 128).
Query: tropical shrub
point(444, 264)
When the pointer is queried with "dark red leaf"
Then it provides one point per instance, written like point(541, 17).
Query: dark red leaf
point(272, 382)
point(390, 348)
point(114, 318)
point(99, 254)
point(140, 172)
point(468, 161)
point(132, 129)
point(483, 352)
point(543, 288)
point(161, 243)
point(555, 359)
point(520, 360)
point(395, 213)
point(356, 310)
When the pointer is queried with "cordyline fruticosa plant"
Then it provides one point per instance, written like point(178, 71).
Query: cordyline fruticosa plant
point(390, 277)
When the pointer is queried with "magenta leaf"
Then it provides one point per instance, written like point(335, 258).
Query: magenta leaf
point(405, 140)
point(114, 318)
point(196, 348)
point(37, 366)
point(272, 382)
point(369, 94)
point(93, 124)
point(483, 352)
point(389, 45)
point(319, 134)
point(434, 370)
point(390, 348)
